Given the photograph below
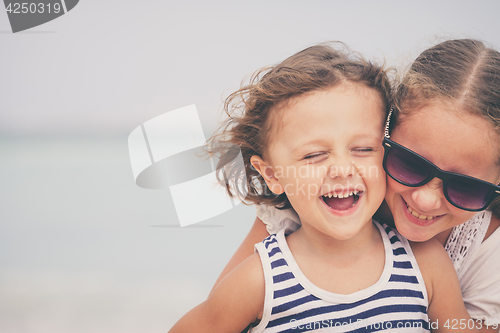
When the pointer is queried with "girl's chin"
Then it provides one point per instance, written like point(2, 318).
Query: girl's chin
point(412, 231)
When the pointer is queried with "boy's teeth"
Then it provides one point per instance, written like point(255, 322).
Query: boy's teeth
point(422, 217)
point(341, 195)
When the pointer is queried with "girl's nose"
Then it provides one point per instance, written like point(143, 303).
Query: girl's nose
point(429, 196)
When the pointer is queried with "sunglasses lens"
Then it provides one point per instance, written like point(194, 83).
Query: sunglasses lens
point(406, 167)
point(469, 193)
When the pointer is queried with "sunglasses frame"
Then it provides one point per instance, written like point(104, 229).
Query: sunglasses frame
point(436, 172)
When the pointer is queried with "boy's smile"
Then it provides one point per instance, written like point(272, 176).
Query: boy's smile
point(342, 201)
point(326, 154)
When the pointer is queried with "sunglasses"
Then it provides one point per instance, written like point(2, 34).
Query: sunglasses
point(410, 169)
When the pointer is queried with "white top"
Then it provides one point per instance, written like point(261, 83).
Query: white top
point(477, 263)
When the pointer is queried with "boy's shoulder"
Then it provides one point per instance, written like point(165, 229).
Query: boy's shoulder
point(240, 295)
point(249, 273)
point(236, 302)
point(424, 250)
point(431, 257)
point(389, 230)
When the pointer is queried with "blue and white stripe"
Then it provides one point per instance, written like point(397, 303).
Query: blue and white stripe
point(294, 304)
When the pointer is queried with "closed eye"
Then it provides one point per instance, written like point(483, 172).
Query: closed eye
point(362, 149)
point(316, 157)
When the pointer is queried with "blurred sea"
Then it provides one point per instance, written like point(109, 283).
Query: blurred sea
point(83, 249)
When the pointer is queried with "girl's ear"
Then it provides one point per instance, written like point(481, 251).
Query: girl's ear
point(267, 172)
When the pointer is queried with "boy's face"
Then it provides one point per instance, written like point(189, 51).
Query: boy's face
point(326, 155)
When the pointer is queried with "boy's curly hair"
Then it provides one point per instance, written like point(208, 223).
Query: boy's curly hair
point(248, 126)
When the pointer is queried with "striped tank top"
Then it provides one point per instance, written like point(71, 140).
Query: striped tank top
point(397, 301)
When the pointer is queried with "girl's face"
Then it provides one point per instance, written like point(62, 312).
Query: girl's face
point(326, 155)
point(453, 140)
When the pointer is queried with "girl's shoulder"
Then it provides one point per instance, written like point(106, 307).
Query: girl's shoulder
point(480, 282)
point(435, 266)
point(466, 241)
point(493, 228)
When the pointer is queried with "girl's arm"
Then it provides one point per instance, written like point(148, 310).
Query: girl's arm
point(494, 225)
point(446, 309)
point(236, 302)
point(255, 235)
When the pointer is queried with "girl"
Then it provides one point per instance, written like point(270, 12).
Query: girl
point(448, 112)
point(310, 135)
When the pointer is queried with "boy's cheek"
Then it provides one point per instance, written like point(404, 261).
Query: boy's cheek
point(303, 188)
point(370, 170)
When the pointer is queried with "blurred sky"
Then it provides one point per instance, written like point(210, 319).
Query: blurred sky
point(107, 66)
point(82, 248)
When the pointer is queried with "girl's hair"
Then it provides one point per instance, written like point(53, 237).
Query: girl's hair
point(248, 126)
point(463, 72)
